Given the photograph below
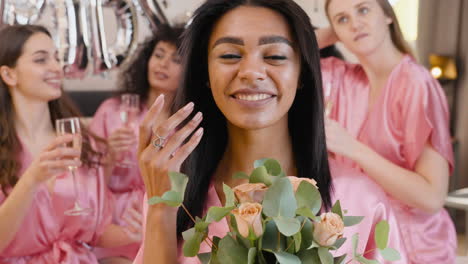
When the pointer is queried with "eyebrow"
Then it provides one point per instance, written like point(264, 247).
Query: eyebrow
point(262, 41)
point(41, 52)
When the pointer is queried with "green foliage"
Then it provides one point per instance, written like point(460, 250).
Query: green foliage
point(381, 234)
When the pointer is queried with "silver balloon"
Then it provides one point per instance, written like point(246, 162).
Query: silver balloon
point(22, 11)
point(72, 36)
point(106, 56)
point(2, 7)
point(154, 13)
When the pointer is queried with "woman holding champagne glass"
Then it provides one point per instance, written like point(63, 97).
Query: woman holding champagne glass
point(154, 70)
point(37, 190)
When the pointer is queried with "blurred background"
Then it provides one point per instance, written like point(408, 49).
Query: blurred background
point(95, 37)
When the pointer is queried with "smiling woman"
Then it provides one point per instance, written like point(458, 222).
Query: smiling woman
point(251, 79)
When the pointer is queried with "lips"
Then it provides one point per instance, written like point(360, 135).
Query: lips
point(54, 82)
point(360, 36)
point(161, 75)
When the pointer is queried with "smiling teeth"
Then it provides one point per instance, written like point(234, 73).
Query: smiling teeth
point(253, 97)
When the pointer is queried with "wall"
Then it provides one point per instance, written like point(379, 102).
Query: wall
point(443, 29)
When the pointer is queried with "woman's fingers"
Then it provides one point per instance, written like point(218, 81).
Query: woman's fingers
point(164, 129)
point(176, 140)
point(148, 122)
point(60, 141)
point(182, 153)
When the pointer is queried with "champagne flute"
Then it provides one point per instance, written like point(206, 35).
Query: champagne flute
point(129, 109)
point(72, 126)
point(328, 102)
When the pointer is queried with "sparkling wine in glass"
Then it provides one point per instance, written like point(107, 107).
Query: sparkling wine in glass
point(129, 110)
point(72, 126)
point(327, 99)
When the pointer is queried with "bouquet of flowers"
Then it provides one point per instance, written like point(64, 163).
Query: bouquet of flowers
point(273, 219)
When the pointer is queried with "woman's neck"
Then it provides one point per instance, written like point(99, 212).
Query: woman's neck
point(246, 146)
point(379, 64)
point(32, 120)
point(168, 100)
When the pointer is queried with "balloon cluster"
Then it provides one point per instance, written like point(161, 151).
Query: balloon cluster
point(80, 32)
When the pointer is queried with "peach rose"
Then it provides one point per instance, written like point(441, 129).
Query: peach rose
point(250, 192)
point(327, 231)
point(249, 217)
point(295, 181)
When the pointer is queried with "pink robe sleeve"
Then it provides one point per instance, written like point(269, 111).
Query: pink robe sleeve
point(424, 116)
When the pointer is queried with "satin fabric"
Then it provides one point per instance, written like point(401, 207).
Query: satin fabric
point(47, 235)
point(125, 184)
point(347, 184)
point(410, 112)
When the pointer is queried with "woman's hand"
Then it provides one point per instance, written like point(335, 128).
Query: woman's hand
point(121, 140)
point(339, 141)
point(133, 218)
point(161, 148)
point(55, 159)
point(325, 37)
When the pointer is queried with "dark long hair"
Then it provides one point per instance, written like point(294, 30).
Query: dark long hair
point(306, 121)
point(134, 77)
point(12, 40)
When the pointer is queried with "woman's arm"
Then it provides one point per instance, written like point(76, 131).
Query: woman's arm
point(424, 188)
point(325, 37)
point(55, 159)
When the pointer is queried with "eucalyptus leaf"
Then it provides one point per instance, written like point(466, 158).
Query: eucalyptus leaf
point(201, 226)
point(337, 209)
point(287, 226)
point(306, 212)
point(297, 241)
point(308, 196)
point(178, 182)
point(170, 198)
point(216, 213)
point(339, 242)
point(279, 200)
point(340, 260)
point(364, 260)
point(240, 175)
point(229, 194)
point(260, 162)
point(325, 255)
point(307, 234)
point(381, 234)
point(273, 167)
point(260, 175)
point(231, 252)
point(251, 255)
point(204, 257)
point(286, 258)
point(390, 254)
point(309, 256)
point(192, 244)
point(352, 220)
point(355, 241)
point(271, 240)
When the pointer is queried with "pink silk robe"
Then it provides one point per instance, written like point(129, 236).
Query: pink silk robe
point(47, 235)
point(347, 190)
point(410, 111)
point(126, 184)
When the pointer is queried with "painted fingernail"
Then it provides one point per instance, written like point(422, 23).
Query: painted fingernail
point(199, 132)
point(159, 99)
point(198, 116)
point(189, 106)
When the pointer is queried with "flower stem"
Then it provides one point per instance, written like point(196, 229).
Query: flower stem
point(193, 219)
point(368, 251)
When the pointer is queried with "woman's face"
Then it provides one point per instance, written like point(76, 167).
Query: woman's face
point(361, 25)
point(253, 67)
point(37, 74)
point(164, 68)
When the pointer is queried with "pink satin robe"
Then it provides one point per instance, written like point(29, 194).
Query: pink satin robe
point(126, 184)
point(410, 112)
point(347, 191)
point(47, 235)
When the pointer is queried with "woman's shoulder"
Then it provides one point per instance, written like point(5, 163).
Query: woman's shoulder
point(413, 72)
